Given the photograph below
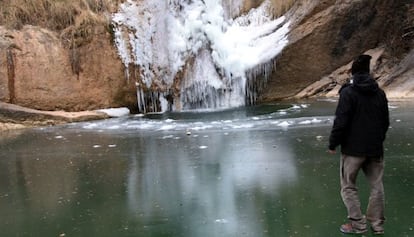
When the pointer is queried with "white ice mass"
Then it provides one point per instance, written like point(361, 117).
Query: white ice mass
point(193, 55)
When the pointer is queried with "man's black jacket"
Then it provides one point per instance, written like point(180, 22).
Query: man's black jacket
point(361, 118)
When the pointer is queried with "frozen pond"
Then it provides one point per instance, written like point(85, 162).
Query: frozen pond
point(257, 172)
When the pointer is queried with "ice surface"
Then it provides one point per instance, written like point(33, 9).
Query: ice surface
point(191, 128)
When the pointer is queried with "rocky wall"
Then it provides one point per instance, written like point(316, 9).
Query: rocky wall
point(37, 70)
point(328, 35)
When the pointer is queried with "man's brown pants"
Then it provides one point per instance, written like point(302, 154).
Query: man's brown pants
point(373, 169)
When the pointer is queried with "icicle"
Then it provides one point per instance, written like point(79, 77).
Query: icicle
point(194, 50)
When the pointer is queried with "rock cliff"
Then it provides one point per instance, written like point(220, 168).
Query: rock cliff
point(38, 71)
point(328, 34)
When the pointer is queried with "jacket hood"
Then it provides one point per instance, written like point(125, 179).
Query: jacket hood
point(364, 83)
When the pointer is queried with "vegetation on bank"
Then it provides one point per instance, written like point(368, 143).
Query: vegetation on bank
point(56, 15)
point(74, 20)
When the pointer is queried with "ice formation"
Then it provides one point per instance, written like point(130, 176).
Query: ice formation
point(193, 55)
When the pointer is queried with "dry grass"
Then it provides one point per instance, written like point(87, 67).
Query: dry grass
point(55, 15)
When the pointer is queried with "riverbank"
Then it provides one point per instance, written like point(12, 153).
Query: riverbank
point(18, 117)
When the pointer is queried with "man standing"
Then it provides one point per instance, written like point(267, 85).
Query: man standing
point(360, 125)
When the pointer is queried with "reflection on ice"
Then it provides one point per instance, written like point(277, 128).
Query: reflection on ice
point(209, 177)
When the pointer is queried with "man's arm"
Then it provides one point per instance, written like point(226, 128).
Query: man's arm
point(343, 115)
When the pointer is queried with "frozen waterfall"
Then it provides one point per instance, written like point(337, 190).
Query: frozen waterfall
point(188, 55)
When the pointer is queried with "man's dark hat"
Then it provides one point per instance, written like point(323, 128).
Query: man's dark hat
point(361, 64)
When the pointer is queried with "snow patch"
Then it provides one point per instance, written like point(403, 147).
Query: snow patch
point(115, 112)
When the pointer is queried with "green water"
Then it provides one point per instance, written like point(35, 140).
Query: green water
point(229, 173)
